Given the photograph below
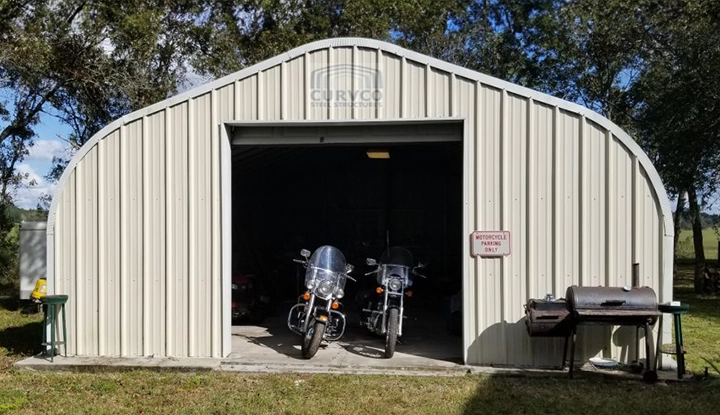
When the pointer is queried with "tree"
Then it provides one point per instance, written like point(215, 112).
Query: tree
point(235, 34)
point(679, 118)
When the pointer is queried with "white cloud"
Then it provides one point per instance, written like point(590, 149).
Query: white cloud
point(34, 186)
point(45, 150)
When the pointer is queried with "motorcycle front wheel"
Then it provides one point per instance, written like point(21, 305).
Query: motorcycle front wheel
point(393, 320)
point(312, 339)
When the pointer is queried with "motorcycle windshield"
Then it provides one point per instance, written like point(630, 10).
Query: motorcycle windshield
point(326, 271)
point(397, 256)
point(328, 258)
point(396, 261)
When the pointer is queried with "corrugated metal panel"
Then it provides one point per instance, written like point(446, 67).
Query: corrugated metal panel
point(178, 243)
point(86, 290)
point(620, 214)
point(294, 77)
point(467, 99)
point(490, 345)
point(562, 180)
point(246, 98)
point(200, 229)
point(109, 310)
point(367, 60)
point(132, 249)
point(515, 202)
point(438, 93)
point(319, 100)
point(415, 88)
point(154, 237)
point(391, 67)
point(270, 94)
point(342, 83)
point(67, 258)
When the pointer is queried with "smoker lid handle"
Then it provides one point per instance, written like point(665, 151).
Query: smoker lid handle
point(613, 303)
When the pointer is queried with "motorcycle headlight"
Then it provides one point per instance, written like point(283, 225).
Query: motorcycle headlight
point(395, 284)
point(340, 293)
point(325, 288)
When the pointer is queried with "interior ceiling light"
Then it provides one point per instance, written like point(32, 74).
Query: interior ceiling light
point(378, 154)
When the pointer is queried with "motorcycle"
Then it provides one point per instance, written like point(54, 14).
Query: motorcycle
point(382, 311)
point(318, 314)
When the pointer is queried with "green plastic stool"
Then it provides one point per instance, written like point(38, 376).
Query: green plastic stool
point(50, 305)
point(678, 349)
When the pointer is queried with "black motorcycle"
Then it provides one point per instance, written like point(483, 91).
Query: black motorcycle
point(318, 314)
point(382, 310)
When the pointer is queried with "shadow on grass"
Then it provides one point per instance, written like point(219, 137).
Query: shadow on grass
point(590, 394)
point(22, 340)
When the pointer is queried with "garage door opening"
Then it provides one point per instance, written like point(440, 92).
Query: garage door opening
point(286, 197)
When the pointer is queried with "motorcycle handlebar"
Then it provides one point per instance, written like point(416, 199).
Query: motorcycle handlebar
point(299, 261)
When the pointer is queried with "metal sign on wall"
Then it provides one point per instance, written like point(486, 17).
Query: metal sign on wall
point(490, 243)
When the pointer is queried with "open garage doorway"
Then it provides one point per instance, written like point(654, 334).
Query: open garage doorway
point(356, 189)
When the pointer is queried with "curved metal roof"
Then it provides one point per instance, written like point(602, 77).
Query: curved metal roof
point(624, 138)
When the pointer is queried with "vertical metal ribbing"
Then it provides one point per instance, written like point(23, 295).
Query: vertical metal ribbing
point(261, 113)
point(237, 99)
point(146, 209)
point(555, 203)
point(102, 291)
point(215, 200)
point(504, 191)
point(353, 64)
point(451, 95)
point(124, 308)
point(306, 86)
point(531, 203)
point(610, 211)
point(378, 74)
point(327, 87)
point(584, 192)
point(192, 231)
point(476, 192)
point(169, 304)
point(283, 91)
point(403, 88)
point(634, 227)
point(428, 94)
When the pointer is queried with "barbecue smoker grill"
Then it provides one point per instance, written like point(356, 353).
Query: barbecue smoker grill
point(614, 306)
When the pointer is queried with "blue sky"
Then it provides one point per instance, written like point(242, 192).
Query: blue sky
point(38, 163)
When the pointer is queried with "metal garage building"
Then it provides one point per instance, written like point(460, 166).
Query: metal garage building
point(140, 233)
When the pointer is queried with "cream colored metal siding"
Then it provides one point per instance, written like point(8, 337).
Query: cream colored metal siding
point(109, 245)
point(66, 264)
point(137, 220)
point(154, 237)
point(200, 229)
point(132, 249)
point(178, 297)
point(391, 67)
point(86, 290)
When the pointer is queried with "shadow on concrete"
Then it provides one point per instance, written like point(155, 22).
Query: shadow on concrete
point(425, 336)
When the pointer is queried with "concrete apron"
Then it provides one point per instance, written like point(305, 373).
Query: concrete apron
point(426, 350)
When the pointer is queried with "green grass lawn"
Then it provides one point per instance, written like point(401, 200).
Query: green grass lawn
point(226, 393)
point(710, 243)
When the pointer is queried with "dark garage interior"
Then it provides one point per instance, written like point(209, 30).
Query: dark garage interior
point(286, 198)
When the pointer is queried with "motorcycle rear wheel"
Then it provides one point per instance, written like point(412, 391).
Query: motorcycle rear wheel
point(393, 321)
point(312, 339)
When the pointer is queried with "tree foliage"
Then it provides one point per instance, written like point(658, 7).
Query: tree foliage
point(649, 66)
